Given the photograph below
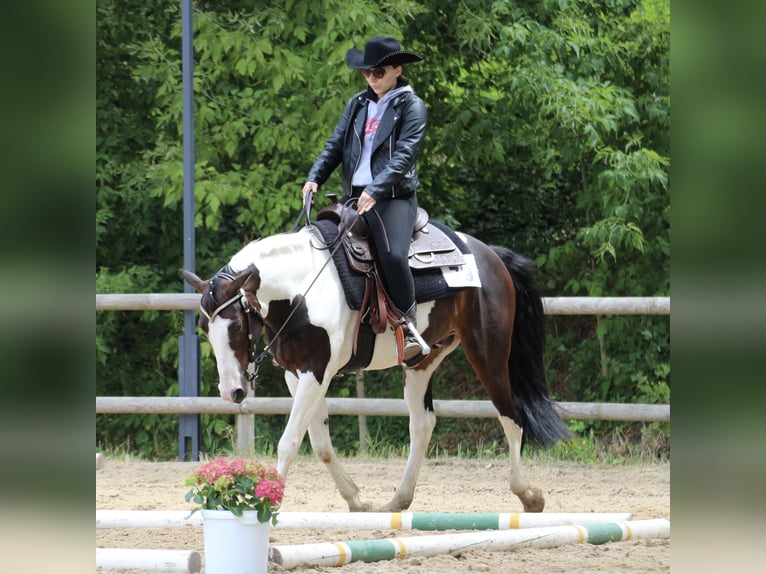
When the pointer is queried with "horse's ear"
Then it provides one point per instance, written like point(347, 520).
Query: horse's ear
point(251, 285)
point(194, 281)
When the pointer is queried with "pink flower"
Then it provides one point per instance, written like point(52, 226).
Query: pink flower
point(237, 486)
point(270, 489)
point(212, 471)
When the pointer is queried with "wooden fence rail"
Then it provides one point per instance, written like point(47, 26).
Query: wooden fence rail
point(552, 305)
point(369, 407)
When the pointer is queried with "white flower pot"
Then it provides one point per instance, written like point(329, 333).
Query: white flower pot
point(235, 545)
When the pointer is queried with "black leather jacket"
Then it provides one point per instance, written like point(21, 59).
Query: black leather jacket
point(396, 146)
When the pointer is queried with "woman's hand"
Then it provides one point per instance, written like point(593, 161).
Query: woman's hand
point(310, 187)
point(365, 203)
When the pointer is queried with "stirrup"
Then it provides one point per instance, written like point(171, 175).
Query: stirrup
point(413, 336)
point(411, 349)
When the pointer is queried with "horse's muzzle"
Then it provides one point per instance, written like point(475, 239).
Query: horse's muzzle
point(238, 395)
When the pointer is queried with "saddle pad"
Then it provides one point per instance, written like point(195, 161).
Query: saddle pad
point(429, 283)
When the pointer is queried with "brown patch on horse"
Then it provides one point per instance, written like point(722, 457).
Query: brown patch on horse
point(301, 345)
point(459, 316)
point(490, 358)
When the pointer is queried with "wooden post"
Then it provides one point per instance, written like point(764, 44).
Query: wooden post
point(246, 434)
point(362, 418)
point(246, 431)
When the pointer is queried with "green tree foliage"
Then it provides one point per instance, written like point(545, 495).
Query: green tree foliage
point(548, 132)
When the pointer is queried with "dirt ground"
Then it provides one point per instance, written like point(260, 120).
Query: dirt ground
point(445, 485)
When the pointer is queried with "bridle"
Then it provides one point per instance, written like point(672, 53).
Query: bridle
point(253, 359)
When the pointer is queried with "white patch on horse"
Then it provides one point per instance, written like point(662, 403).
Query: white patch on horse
point(229, 374)
point(281, 278)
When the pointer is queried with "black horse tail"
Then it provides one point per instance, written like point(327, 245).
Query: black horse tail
point(542, 425)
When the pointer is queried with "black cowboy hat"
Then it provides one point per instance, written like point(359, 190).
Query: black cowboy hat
point(380, 51)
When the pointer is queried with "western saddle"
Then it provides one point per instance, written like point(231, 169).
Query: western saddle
point(430, 248)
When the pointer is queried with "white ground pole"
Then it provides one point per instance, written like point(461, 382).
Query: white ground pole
point(156, 560)
point(367, 520)
point(340, 553)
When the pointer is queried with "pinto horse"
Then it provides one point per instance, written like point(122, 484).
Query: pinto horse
point(286, 285)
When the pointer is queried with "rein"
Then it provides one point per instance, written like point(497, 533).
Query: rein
point(266, 350)
point(254, 359)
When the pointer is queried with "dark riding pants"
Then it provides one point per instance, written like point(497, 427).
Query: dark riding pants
point(391, 222)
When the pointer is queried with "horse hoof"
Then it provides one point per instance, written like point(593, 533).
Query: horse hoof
point(360, 507)
point(396, 506)
point(533, 500)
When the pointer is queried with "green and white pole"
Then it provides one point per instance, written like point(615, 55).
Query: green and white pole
point(368, 520)
point(340, 553)
point(440, 520)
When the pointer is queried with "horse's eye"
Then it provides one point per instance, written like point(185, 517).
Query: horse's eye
point(236, 327)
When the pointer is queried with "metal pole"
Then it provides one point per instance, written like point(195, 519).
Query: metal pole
point(188, 344)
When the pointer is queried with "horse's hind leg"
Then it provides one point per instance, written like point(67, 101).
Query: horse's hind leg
point(530, 496)
point(491, 367)
point(321, 444)
point(422, 423)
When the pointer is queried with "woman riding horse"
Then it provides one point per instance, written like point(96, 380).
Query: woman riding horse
point(377, 141)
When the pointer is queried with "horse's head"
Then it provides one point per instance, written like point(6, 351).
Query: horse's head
point(230, 316)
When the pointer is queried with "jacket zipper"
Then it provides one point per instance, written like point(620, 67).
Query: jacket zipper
point(359, 158)
point(391, 139)
point(391, 155)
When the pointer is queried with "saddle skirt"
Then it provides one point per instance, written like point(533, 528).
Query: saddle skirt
point(431, 247)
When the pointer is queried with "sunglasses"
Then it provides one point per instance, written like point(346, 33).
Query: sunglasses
point(376, 73)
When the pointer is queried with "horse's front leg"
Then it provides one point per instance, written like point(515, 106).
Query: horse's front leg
point(422, 423)
point(308, 394)
point(321, 443)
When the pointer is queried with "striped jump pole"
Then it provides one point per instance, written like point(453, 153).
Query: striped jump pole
point(340, 553)
point(145, 559)
point(368, 520)
point(438, 520)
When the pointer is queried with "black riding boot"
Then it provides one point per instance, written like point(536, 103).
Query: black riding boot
point(414, 344)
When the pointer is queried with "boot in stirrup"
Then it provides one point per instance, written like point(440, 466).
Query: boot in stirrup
point(414, 344)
